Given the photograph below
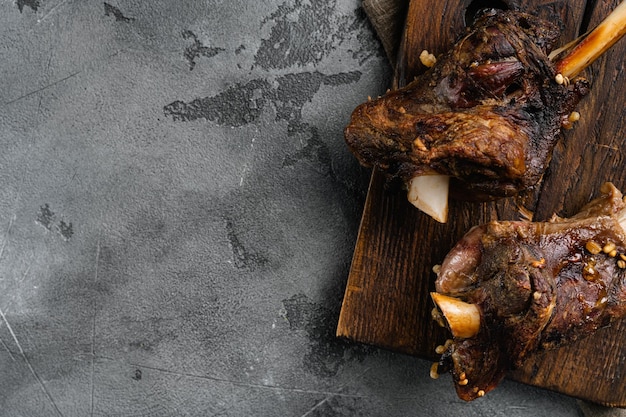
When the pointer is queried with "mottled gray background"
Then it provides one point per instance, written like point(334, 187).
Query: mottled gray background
point(178, 212)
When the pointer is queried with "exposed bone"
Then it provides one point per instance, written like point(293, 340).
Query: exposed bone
point(587, 50)
point(561, 51)
point(463, 318)
point(429, 193)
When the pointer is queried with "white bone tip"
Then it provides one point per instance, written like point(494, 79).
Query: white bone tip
point(463, 318)
point(429, 193)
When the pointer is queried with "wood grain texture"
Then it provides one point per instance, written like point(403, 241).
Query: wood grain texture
point(387, 301)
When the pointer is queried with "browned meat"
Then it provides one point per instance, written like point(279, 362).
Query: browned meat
point(488, 113)
point(536, 286)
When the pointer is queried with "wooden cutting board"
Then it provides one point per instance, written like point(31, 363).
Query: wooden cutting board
point(387, 300)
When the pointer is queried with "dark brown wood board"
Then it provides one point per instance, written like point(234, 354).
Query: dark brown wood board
point(387, 300)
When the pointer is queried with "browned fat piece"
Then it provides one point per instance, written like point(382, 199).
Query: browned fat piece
point(510, 288)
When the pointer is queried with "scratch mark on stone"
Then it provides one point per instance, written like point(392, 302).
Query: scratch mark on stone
point(246, 166)
point(8, 350)
point(316, 406)
point(29, 365)
point(48, 63)
point(17, 342)
point(328, 397)
point(44, 17)
point(139, 367)
point(6, 237)
point(243, 174)
point(42, 88)
point(239, 383)
point(25, 274)
point(93, 330)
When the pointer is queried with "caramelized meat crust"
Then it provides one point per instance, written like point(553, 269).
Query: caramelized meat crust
point(537, 286)
point(488, 113)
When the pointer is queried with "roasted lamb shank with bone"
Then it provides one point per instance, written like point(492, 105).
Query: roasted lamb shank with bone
point(510, 288)
point(487, 114)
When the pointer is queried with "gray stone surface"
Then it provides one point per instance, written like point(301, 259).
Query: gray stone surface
point(178, 212)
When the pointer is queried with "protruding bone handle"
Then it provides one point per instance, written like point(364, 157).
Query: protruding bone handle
point(609, 31)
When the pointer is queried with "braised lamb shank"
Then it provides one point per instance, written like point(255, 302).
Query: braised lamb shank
point(488, 113)
point(510, 288)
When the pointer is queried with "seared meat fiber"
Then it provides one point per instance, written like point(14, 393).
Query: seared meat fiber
point(488, 113)
point(534, 286)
